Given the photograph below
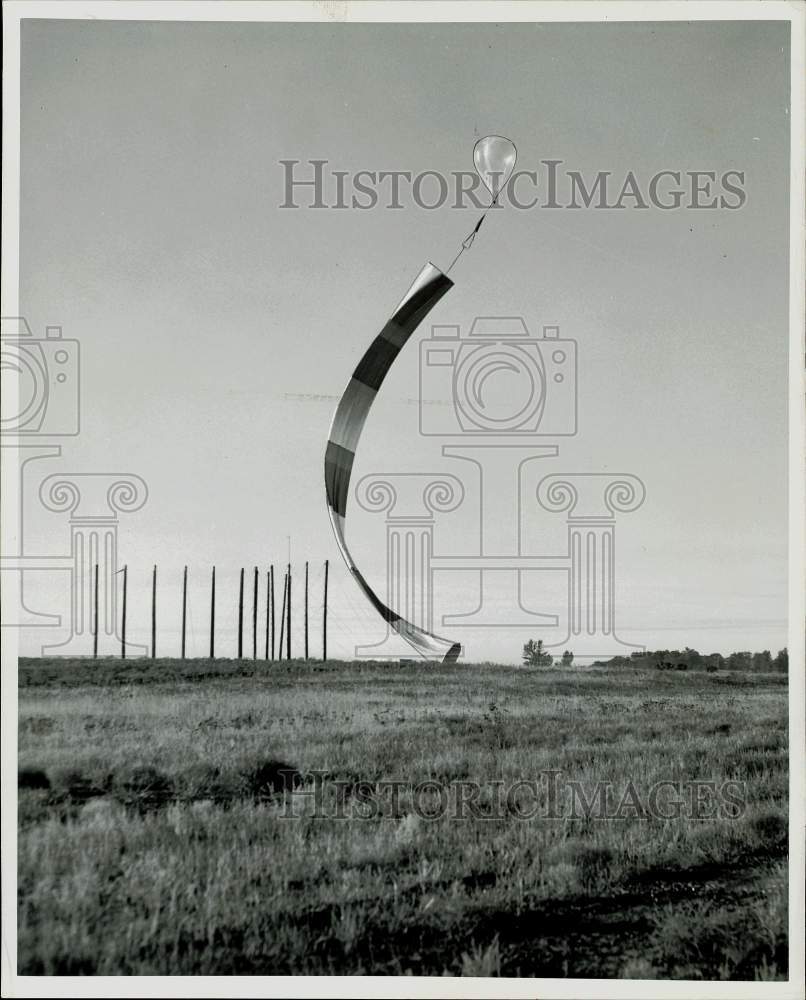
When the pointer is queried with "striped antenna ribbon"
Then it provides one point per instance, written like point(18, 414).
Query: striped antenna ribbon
point(426, 290)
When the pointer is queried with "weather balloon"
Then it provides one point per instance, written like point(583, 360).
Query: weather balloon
point(494, 158)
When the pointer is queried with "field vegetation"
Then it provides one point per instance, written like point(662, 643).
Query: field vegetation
point(167, 821)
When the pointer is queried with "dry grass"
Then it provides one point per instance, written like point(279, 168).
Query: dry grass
point(154, 838)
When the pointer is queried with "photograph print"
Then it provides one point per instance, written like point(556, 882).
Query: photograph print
point(402, 458)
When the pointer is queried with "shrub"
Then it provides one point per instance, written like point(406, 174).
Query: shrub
point(270, 777)
point(771, 829)
point(143, 786)
point(70, 784)
point(32, 777)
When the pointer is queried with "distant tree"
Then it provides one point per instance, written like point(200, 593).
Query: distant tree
point(534, 654)
point(781, 661)
point(762, 662)
point(567, 658)
point(740, 661)
point(692, 657)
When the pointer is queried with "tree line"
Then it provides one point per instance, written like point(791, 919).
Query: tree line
point(535, 655)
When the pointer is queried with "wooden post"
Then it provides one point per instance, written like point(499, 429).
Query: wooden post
point(288, 623)
point(123, 622)
point(268, 592)
point(154, 615)
point(324, 617)
point(273, 619)
point(240, 618)
point(95, 624)
point(282, 617)
point(306, 609)
point(212, 616)
point(254, 618)
point(184, 606)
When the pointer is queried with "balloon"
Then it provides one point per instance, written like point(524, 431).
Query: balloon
point(494, 158)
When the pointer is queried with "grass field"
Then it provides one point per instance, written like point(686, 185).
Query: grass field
point(168, 823)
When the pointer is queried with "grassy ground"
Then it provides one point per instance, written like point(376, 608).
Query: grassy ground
point(157, 835)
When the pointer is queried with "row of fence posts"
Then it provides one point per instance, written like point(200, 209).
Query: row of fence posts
point(270, 632)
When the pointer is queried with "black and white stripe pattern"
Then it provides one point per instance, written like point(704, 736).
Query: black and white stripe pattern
point(426, 290)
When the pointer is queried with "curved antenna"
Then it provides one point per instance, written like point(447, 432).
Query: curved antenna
point(348, 421)
point(494, 157)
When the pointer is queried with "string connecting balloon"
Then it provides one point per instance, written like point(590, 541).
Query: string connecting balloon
point(494, 159)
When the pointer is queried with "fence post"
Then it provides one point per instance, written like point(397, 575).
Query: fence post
point(184, 606)
point(268, 590)
point(288, 612)
point(123, 622)
point(212, 616)
point(240, 618)
point(306, 609)
point(154, 615)
point(254, 616)
point(273, 619)
point(282, 616)
point(324, 617)
point(95, 623)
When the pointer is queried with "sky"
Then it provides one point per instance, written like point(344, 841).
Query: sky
point(217, 330)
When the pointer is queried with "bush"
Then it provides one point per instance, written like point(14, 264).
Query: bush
point(269, 778)
point(32, 777)
point(143, 787)
point(74, 786)
point(771, 829)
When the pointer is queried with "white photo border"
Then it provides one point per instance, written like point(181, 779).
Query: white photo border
point(417, 11)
